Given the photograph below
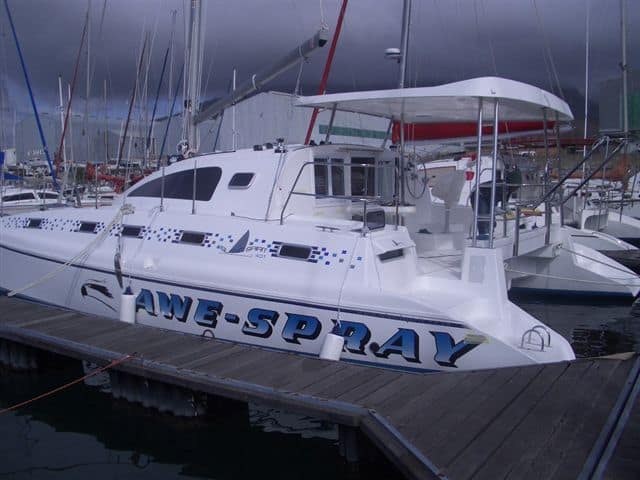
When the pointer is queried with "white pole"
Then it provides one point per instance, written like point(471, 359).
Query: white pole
point(86, 105)
point(233, 115)
point(586, 84)
point(623, 34)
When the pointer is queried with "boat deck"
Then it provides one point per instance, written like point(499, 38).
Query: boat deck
point(551, 421)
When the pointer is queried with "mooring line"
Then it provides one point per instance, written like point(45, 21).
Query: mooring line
point(67, 385)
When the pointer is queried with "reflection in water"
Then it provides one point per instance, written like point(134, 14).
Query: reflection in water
point(593, 328)
point(274, 420)
point(85, 433)
point(596, 342)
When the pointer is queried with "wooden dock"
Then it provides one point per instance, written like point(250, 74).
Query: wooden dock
point(566, 420)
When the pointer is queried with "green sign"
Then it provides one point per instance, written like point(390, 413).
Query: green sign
point(353, 132)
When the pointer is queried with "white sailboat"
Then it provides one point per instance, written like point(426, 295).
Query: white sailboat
point(278, 247)
point(15, 199)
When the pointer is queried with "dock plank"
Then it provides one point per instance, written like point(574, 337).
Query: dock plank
point(533, 431)
point(285, 370)
point(625, 463)
point(611, 381)
point(568, 433)
point(363, 390)
point(518, 403)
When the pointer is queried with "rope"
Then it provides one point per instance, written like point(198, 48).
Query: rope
point(556, 277)
point(124, 210)
point(67, 385)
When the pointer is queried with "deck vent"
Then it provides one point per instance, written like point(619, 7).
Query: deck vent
point(391, 254)
point(131, 231)
point(88, 227)
point(299, 252)
point(34, 223)
point(241, 180)
point(193, 238)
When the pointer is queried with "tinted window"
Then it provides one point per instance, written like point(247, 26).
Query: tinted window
point(192, 237)
point(131, 231)
point(295, 251)
point(321, 176)
point(89, 227)
point(34, 223)
point(17, 197)
point(241, 180)
point(48, 195)
point(179, 185)
point(363, 178)
point(337, 176)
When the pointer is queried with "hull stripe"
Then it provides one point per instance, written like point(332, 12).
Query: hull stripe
point(253, 296)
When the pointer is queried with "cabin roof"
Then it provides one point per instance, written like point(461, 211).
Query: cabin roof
point(452, 102)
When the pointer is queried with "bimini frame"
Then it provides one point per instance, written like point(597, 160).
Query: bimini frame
point(468, 101)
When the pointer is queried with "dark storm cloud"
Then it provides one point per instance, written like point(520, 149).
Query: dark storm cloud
point(450, 40)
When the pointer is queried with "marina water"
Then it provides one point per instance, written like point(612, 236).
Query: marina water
point(83, 432)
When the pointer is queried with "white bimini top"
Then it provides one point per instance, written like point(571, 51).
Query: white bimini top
point(452, 102)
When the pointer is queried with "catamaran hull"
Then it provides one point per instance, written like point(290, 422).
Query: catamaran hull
point(570, 267)
point(374, 337)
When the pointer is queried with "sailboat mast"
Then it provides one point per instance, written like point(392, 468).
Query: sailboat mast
point(406, 16)
point(88, 91)
point(63, 152)
point(31, 96)
point(195, 66)
point(623, 35)
point(586, 82)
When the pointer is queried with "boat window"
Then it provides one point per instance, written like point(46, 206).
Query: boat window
point(49, 195)
point(179, 185)
point(321, 176)
point(194, 238)
point(391, 254)
point(329, 176)
point(88, 227)
point(34, 223)
point(363, 178)
point(300, 252)
point(131, 231)
point(17, 197)
point(241, 180)
point(337, 176)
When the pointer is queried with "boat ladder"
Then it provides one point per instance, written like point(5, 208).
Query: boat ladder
point(528, 338)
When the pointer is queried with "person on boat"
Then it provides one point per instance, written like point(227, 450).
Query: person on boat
point(504, 190)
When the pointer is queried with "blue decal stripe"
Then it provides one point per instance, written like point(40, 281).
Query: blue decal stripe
point(254, 297)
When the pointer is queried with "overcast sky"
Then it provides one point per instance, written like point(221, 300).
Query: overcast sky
point(450, 40)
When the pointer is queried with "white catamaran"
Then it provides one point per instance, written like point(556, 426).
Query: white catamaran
point(278, 247)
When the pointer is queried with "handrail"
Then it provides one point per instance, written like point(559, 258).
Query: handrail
point(319, 195)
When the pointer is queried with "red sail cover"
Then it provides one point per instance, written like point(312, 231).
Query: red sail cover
point(441, 131)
